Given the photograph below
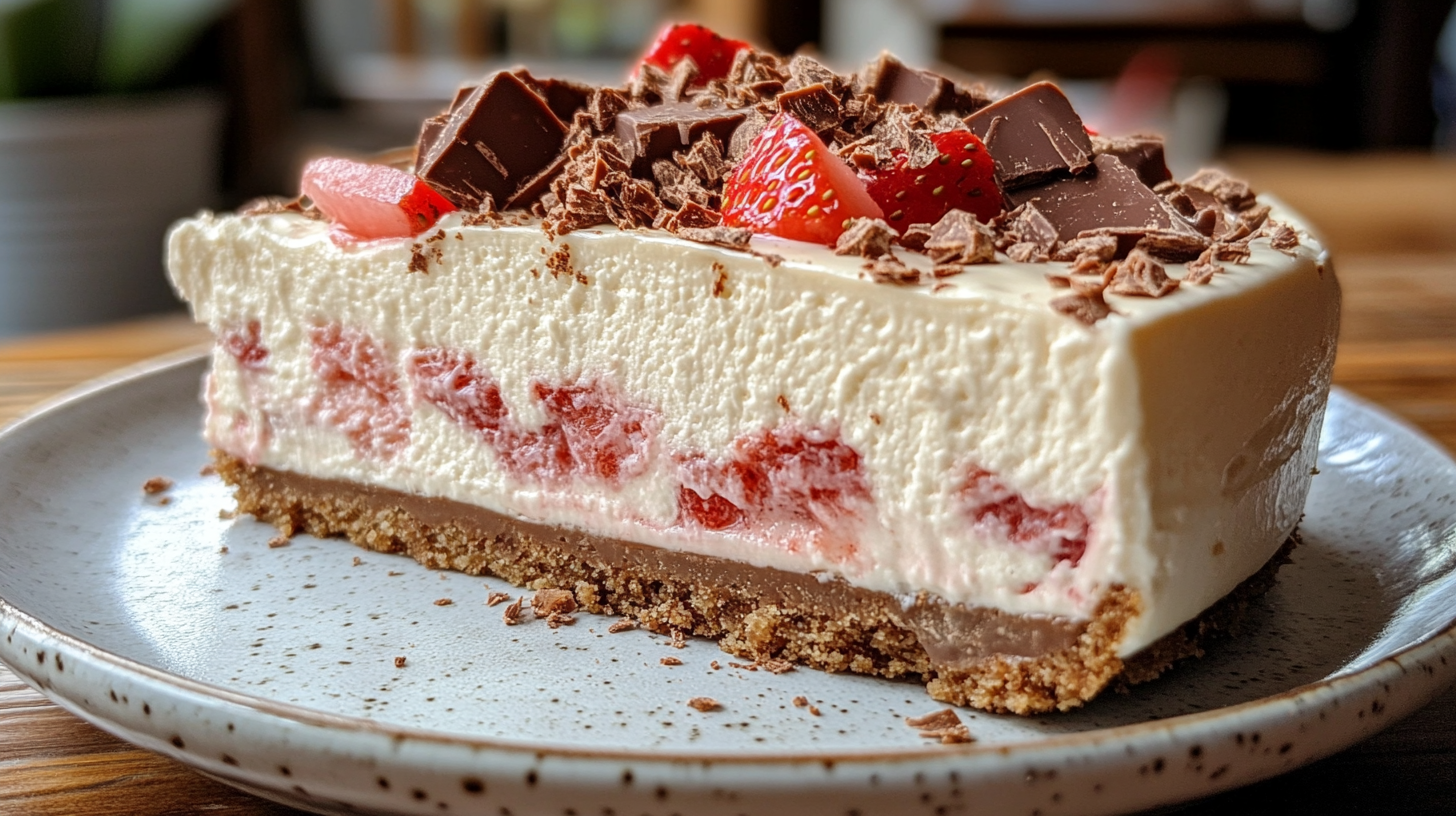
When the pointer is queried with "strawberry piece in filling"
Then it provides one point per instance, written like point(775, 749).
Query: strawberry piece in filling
point(793, 474)
point(591, 431)
point(360, 392)
point(789, 184)
point(1061, 531)
point(370, 201)
point(245, 345)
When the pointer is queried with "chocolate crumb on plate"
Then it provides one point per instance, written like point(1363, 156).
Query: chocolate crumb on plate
point(670, 661)
point(399, 662)
point(548, 602)
point(704, 704)
point(497, 598)
point(157, 484)
point(943, 725)
point(512, 614)
point(621, 626)
point(801, 701)
point(774, 666)
point(443, 602)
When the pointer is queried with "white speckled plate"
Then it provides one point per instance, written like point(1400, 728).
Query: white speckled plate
point(275, 669)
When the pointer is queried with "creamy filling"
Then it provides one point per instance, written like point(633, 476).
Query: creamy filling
point(960, 439)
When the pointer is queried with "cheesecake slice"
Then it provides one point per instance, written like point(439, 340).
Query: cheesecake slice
point(1015, 453)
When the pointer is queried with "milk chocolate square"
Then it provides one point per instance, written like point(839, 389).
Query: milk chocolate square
point(1112, 201)
point(1033, 135)
point(495, 138)
point(649, 134)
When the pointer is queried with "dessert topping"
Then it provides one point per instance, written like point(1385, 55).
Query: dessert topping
point(866, 237)
point(790, 185)
point(650, 134)
point(1110, 200)
point(960, 176)
point(890, 80)
point(496, 138)
point(958, 238)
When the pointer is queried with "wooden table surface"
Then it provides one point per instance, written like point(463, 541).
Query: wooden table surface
point(1392, 223)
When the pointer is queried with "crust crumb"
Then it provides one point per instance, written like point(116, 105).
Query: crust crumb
point(704, 704)
point(443, 602)
point(801, 701)
point(157, 484)
point(670, 661)
point(358, 561)
point(621, 626)
point(278, 541)
point(399, 662)
point(512, 614)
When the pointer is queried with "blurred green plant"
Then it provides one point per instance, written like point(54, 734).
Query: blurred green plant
point(72, 47)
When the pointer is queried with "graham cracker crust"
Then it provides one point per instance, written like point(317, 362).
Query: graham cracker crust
point(982, 658)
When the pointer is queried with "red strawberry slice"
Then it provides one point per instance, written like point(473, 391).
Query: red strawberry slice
point(790, 185)
point(962, 178)
point(712, 52)
point(370, 201)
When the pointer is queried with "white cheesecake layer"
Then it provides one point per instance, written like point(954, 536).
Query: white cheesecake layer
point(1183, 429)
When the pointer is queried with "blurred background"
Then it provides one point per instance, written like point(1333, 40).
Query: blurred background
point(117, 116)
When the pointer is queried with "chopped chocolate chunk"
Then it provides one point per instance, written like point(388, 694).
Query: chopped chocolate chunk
point(1202, 269)
point(753, 124)
point(915, 236)
point(1087, 308)
point(1101, 247)
point(1030, 226)
point(1172, 246)
point(1026, 252)
point(551, 601)
point(562, 96)
point(1033, 135)
point(496, 598)
point(1232, 251)
point(558, 619)
point(621, 626)
point(1225, 189)
point(946, 270)
point(691, 216)
point(679, 187)
point(399, 662)
point(649, 134)
point(804, 71)
point(866, 237)
point(1281, 237)
point(814, 105)
point(1142, 153)
point(605, 104)
point(512, 615)
point(1111, 201)
point(890, 80)
point(704, 704)
point(959, 238)
point(501, 135)
point(670, 661)
point(1251, 219)
point(730, 237)
point(705, 159)
point(157, 484)
point(1139, 275)
point(889, 269)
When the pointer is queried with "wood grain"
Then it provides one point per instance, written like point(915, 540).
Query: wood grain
point(1398, 349)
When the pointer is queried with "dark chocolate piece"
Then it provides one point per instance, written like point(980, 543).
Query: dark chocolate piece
point(813, 105)
point(1111, 201)
point(497, 138)
point(1033, 135)
point(649, 134)
point(562, 96)
point(1143, 154)
point(890, 80)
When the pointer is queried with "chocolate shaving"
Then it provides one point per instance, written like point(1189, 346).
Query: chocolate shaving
point(866, 237)
point(497, 598)
point(1203, 268)
point(1100, 247)
point(959, 238)
point(889, 269)
point(1141, 276)
point(773, 666)
point(1171, 246)
point(915, 236)
point(1227, 190)
point(946, 270)
point(512, 615)
point(1087, 308)
point(705, 159)
point(1282, 237)
point(730, 237)
point(690, 216)
point(804, 71)
point(814, 105)
point(945, 718)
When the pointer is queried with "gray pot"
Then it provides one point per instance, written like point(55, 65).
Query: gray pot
point(87, 189)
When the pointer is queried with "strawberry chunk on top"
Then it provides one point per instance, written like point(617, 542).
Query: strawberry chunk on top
point(962, 177)
point(789, 184)
point(371, 201)
point(711, 52)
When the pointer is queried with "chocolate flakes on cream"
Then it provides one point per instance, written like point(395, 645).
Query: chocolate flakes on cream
point(654, 154)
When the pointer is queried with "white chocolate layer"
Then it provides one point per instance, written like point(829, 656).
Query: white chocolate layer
point(1184, 427)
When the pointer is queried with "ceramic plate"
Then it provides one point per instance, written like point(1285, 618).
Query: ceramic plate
point(335, 679)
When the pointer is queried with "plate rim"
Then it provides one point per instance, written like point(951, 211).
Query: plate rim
point(1437, 645)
